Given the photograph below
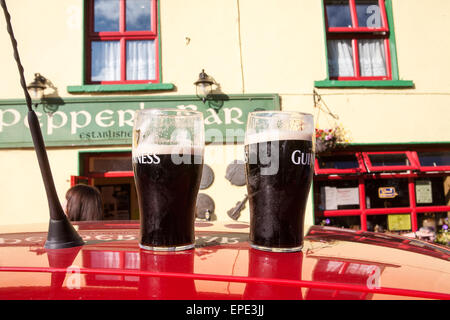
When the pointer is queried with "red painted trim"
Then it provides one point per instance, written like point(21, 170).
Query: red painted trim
point(360, 78)
point(341, 213)
point(356, 68)
point(387, 50)
point(74, 180)
point(122, 16)
point(362, 203)
point(123, 60)
point(383, 15)
point(124, 82)
point(412, 203)
point(432, 209)
point(380, 211)
point(112, 174)
point(358, 30)
point(440, 168)
point(357, 35)
point(380, 176)
point(353, 14)
point(241, 279)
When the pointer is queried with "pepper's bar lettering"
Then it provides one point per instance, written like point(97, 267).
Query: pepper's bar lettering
point(104, 119)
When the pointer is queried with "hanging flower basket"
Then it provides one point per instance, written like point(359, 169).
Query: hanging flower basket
point(330, 139)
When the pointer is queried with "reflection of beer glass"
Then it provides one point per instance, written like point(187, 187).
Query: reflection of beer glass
point(168, 147)
point(279, 167)
point(167, 287)
point(267, 265)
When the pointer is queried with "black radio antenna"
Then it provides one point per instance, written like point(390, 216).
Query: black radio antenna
point(61, 233)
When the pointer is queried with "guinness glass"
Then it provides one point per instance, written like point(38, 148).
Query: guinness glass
point(279, 168)
point(168, 146)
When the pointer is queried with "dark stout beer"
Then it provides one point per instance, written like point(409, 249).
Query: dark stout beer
point(167, 186)
point(278, 196)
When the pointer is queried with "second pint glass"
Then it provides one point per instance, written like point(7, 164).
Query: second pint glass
point(168, 146)
point(279, 168)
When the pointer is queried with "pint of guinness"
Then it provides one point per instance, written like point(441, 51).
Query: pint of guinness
point(168, 146)
point(279, 168)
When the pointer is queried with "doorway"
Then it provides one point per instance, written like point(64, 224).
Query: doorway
point(111, 173)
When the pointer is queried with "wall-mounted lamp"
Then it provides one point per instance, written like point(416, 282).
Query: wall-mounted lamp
point(37, 87)
point(50, 101)
point(204, 86)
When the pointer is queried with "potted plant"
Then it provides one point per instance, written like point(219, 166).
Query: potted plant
point(329, 139)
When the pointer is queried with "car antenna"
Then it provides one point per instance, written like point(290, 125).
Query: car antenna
point(61, 233)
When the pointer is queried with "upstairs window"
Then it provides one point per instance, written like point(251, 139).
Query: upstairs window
point(357, 40)
point(121, 42)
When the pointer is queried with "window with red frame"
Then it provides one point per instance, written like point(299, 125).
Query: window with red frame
point(395, 191)
point(121, 42)
point(357, 40)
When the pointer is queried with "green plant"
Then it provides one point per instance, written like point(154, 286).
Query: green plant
point(443, 235)
point(327, 139)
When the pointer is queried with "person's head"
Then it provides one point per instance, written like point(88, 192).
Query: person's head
point(84, 203)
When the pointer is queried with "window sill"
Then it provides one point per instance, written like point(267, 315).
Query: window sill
point(94, 88)
point(364, 84)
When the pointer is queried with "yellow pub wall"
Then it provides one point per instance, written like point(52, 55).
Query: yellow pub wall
point(248, 46)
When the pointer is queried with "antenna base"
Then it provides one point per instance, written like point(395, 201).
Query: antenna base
point(61, 234)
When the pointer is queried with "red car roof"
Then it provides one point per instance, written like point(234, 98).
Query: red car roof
point(334, 264)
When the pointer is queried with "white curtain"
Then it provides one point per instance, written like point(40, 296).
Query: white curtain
point(105, 61)
point(141, 60)
point(372, 58)
point(340, 58)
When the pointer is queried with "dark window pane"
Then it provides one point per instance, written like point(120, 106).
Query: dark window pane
point(338, 13)
point(392, 222)
point(387, 193)
point(338, 162)
point(336, 195)
point(102, 164)
point(434, 159)
point(349, 222)
point(385, 160)
point(369, 14)
point(433, 191)
point(116, 201)
point(138, 15)
point(433, 221)
point(106, 15)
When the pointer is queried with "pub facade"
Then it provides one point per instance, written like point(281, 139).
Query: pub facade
point(372, 76)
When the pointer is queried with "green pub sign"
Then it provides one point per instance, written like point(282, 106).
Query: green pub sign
point(109, 120)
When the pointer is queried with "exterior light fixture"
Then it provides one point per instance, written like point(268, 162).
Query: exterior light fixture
point(37, 87)
point(203, 86)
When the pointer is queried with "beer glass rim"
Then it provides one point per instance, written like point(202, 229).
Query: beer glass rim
point(170, 112)
point(259, 114)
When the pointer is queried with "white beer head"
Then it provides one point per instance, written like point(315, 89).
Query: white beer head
point(168, 131)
